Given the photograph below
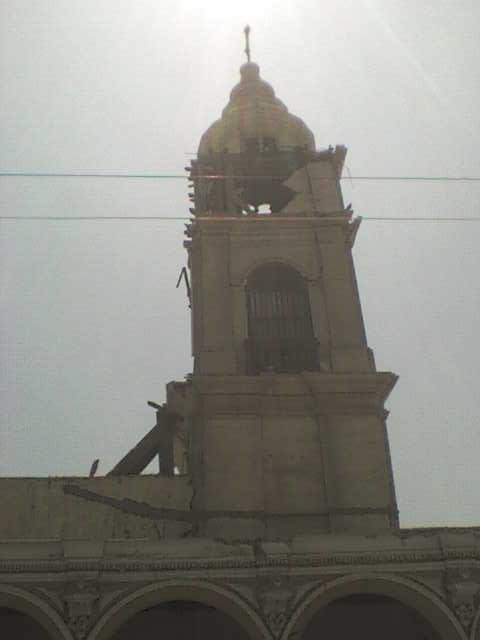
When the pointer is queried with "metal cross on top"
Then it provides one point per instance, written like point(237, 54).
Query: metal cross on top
point(247, 42)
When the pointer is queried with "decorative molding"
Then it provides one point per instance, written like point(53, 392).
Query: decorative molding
point(128, 563)
point(307, 585)
point(50, 595)
point(275, 597)
point(218, 594)
point(463, 592)
point(81, 604)
point(245, 591)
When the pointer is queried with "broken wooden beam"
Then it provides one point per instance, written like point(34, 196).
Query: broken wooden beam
point(158, 441)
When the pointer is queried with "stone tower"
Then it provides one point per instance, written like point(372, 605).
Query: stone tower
point(285, 412)
point(274, 514)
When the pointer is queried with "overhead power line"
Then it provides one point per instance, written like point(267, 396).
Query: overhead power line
point(25, 174)
point(173, 176)
point(73, 218)
point(250, 219)
point(420, 219)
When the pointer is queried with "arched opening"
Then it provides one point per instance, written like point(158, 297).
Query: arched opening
point(24, 615)
point(241, 620)
point(280, 331)
point(476, 626)
point(373, 606)
point(182, 620)
point(368, 615)
point(20, 626)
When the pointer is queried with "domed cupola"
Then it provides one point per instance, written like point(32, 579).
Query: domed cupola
point(259, 159)
point(254, 116)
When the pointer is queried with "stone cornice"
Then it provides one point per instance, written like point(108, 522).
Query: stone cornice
point(377, 385)
point(313, 552)
point(256, 224)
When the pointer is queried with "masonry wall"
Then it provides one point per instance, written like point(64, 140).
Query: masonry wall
point(222, 254)
point(291, 452)
point(92, 508)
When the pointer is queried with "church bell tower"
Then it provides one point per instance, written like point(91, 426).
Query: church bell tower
point(285, 411)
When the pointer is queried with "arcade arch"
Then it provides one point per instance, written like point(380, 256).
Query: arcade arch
point(348, 605)
point(197, 603)
point(24, 616)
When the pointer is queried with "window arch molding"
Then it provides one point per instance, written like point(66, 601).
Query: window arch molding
point(240, 278)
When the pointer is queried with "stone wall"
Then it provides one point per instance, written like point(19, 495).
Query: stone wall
point(92, 508)
point(89, 589)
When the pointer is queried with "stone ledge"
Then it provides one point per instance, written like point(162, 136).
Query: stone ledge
point(321, 550)
point(304, 384)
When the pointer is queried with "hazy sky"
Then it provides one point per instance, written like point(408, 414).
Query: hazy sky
point(91, 323)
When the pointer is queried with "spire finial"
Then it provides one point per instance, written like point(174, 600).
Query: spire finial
point(246, 31)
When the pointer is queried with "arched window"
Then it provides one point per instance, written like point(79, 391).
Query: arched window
point(280, 334)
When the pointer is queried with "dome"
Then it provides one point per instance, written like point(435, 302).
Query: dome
point(254, 112)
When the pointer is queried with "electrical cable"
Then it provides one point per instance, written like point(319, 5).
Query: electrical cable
point(250, 219)
point(19, 174)
point(173, 176)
